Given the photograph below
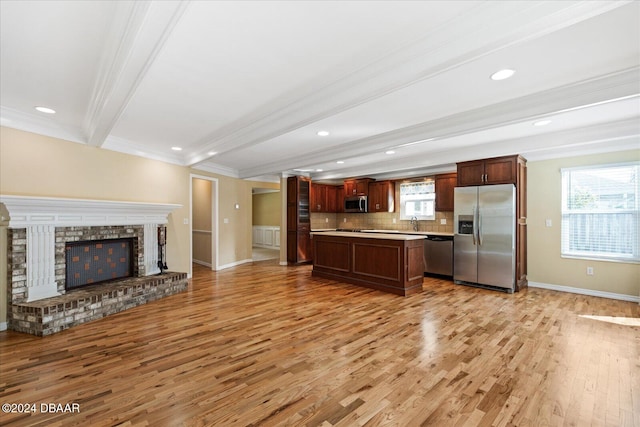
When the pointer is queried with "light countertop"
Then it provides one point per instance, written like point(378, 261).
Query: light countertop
point(391, 232)
point(367, 235)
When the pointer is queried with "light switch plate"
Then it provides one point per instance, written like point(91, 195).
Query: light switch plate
point(547, 223)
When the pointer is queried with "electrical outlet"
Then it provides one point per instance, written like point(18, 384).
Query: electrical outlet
point(326, 220)
point(226, 220)
point(185, 221)
point(394, 220)
point(547, 223)
point(589, 271)
point(344, 220)
point(443, 221)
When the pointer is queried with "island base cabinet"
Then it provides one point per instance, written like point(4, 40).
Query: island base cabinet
point(394, 266)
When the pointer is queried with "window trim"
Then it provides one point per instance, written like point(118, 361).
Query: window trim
point(634, 258)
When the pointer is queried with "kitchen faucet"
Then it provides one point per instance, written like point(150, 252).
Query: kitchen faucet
point(414, 222)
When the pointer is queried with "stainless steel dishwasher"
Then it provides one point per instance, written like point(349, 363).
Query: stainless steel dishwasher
point(438, 255)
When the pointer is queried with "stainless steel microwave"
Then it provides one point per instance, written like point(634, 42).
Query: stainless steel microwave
point(355, 204)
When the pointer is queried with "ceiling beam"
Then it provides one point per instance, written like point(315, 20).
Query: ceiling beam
point(139, 31)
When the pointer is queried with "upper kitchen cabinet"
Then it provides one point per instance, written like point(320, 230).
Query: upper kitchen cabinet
point(497, 170)
point(382, 196)
point(445, 184)
point(324, 198)
point(357, 187)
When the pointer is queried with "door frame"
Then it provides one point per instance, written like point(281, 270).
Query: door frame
point(214, 220)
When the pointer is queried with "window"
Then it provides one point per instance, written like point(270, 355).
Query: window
point(600, 212)
point(417, 199)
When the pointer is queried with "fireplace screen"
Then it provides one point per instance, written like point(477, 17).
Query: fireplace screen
point(97, 261)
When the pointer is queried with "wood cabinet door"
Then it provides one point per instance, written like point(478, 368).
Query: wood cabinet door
point(350, 188)
point(471, 173)
point(340, 198)
point(318, 198)
point(444, 191)
point(362, 187)
point(332, 198)
point(501, 170)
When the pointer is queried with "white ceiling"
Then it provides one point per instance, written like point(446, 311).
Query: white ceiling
point(254, 81)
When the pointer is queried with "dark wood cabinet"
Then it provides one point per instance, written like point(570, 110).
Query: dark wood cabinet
point(389, 265)
point(324, 198)
point(445, 183)
point(497, 170)
point(382, 196)
point(504, 170)
point(318, 197)
point(340, 198)
point(357, 187)
point(298, 220)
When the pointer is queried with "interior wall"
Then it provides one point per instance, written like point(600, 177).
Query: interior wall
point(201, 215)
point(266, 209)
point(546, 266)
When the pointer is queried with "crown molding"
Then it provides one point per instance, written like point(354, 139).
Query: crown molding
point(40, 124)
point(217, 169)
point(125, 146)
point(442, 49)
point(24, 211)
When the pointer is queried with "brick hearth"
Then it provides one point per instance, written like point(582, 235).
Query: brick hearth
point(51, 315)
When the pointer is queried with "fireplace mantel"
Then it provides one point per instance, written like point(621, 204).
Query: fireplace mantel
point(25, 211)
point(41, 216)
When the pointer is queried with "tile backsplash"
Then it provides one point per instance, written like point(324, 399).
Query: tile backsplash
point(380, 221)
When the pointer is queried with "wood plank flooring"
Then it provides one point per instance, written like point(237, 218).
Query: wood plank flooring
point(268, 345)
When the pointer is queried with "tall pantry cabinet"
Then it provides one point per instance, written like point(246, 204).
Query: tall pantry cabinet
point(298, 220)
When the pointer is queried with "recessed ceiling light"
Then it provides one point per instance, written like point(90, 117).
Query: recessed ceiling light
point(318, 170)
point(46, 110)
point(176, 148)
point(502, 74)
point(340, 162)
point(389, 152)
point(211, 153)
point(323, 133)
point(541, 122)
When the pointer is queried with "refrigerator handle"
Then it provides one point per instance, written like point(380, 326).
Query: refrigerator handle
point(479, 228)
point(475, 223)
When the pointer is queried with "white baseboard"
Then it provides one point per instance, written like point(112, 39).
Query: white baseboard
point(3, 326)
point(206, 264)
point(234, 264)
point(284, 263)
point(581, 291)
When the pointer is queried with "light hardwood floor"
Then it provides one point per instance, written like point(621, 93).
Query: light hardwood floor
point(262, 344)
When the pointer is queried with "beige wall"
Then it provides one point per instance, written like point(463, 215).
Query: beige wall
point(36, 165)
point(266, 209)
point(544, 202)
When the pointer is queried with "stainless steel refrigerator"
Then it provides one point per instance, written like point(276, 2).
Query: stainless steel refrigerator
point(484, 240)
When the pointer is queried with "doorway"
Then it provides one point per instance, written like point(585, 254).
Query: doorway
point(204, 224)
point(266, 214)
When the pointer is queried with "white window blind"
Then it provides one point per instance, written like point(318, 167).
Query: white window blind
point(600, 212)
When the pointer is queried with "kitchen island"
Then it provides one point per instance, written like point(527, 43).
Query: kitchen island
point(387, 262)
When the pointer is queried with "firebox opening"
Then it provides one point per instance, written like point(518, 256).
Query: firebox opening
point(96, 261)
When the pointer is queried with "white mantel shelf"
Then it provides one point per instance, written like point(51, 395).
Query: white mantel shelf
point(25, 211)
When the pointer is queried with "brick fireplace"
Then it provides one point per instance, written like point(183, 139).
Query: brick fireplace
point(39, 234)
